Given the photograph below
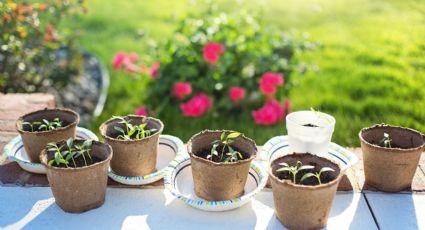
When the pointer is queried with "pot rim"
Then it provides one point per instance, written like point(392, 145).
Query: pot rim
point(391, 149)
point(43, 156)
point(193, 156)
point(105, 124)
point(21, 119)
point(307, 187)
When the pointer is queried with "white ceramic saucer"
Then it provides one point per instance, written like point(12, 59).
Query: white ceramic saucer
point(15, 151)
point(279, 146)
point(169, 147)
point(178, 180)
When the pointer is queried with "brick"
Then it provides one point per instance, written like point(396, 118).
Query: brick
point(11, 173)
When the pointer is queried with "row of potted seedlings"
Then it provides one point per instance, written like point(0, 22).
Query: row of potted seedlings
point(304, 183)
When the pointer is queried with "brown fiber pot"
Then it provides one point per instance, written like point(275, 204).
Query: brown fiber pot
point(303, 206)
point(35, 142)
point(133, 157)
point(79, 189)
point(391, 169)
point(219, 181)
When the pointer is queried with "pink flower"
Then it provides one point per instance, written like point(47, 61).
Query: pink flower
point(133, 57)
point(236, 94)
point(182, 89)
point(154, 70)
point(119, 59)
point(271, 113)
point(196, 106)
point(269, 82)
point(141, 111)
point(212, 52)
point(287, 104)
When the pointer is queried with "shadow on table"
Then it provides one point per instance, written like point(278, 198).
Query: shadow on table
point(18, 204)
point(123, 208)
point(397, 210)
point(179, 215)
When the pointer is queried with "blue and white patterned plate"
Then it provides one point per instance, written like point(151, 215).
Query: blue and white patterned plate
point(15, 151)
point(279, 146)
point(169, 147)
point(179, 181)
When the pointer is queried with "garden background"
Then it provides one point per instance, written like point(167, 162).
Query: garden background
point(369, 66)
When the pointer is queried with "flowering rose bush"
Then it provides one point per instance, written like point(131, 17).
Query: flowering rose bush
point(221, 64)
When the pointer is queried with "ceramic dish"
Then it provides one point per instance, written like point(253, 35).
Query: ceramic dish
point(178, 180)
point(15, 151)
point(278, 146)
point(169, 147)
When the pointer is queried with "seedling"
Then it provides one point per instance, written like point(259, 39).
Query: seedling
point(70, 152)
point(294, 170)
point(317, 174)
point(44, 125)
point(227, 157)
point(132, 132)
point(386, 141)
point(320, 115)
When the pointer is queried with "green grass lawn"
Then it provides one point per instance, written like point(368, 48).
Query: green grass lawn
point(371, 62)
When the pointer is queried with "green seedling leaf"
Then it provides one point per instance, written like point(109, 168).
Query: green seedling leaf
point(233, 135)
point(306, 176)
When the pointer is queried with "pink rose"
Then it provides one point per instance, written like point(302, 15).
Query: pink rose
point(133, 57)
point(182, 89)
point(196, 106)
point(119, 60)
point(236, 94)
point(141, 111)
point(269, 82)
point(154, 70)
point(271, 113)
point(212, 52)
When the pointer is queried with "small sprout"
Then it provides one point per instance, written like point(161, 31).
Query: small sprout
point(321, 115)
point(135, 132)
point(44, 125)
point(71, 152)
point(294, 170)
point(224, 142)
point(386, 141)
point(317, 174)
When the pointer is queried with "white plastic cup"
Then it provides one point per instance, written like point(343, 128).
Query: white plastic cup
point(305, 139)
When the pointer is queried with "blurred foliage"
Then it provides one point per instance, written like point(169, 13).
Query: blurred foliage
point(34, 54)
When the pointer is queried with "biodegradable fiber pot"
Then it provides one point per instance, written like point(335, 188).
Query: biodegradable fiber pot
point(79, 189)
point(391, 169)
point(35, 142)
point(304, 206)
point(219, 181)
point(133, 157)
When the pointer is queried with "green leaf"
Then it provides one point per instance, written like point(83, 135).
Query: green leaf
point(88, 143)
point(283, 169)
point(70, 142)
point(284, 164)
point(46, 122)
point(304, 167)
point(222, 135)
point(51, 162)
point(327, 169)
point(233, 135)
point(131, 132)
point(119, 129)
point(307, 175)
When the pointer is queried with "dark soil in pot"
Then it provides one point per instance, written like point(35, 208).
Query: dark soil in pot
point(390, 169)
point(306, 205)
point(81, 188)
point(217, 181)
point(36, 140)
point(133, 157)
